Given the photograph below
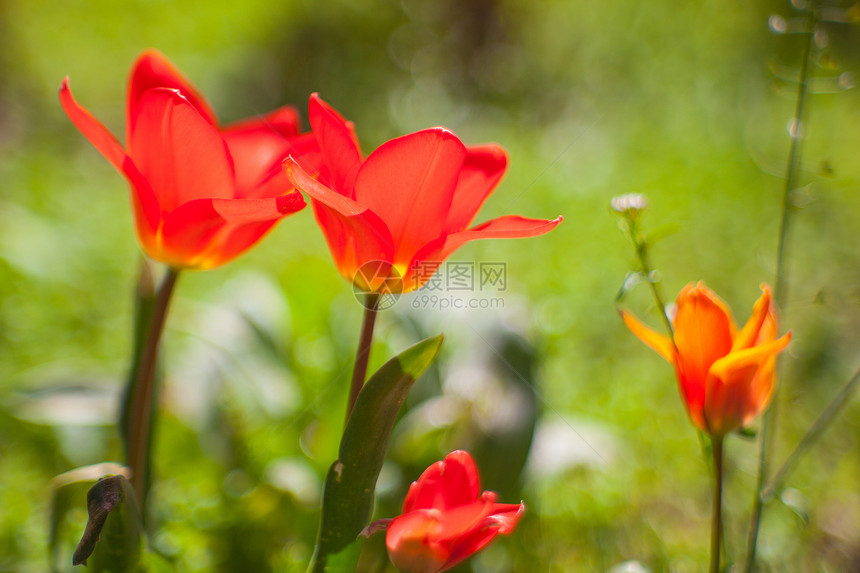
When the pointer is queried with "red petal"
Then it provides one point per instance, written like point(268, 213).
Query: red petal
point(93, 130)
point(482, 171)
point(145, 204)
point(506, 515)
point(412, 542)
point(448, 483)
point(409, 182)
point(354, 234)
point(500, 519)
point(354, 240)
point(153, 70)
point(341, 154)
point(509, 227)
point(180, 153)
point(206, 233)
point(258, 145)
point(329, 197)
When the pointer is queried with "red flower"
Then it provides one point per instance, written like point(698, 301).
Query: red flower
point(726, 375)
point(405, 207)
point(202, 195)
point(446, 519)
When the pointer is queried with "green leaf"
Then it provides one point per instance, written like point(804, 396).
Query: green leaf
point(351, 480)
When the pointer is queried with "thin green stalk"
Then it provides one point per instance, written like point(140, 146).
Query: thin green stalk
point(143, 391)
point(818, 428)
point(717, 508)
point(644, 261)
point(641, 246)
point(781, 287)
point(362, 355)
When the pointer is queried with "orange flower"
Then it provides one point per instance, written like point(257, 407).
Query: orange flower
point(726, 376)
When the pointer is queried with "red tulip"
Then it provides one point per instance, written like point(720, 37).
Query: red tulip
point(726, 375)
point(409, 203)
point(446, 519)
point(202, 194)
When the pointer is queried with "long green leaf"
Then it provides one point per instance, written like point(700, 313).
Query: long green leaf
point(351, 480)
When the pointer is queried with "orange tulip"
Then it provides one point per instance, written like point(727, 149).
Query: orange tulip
point(726, 376)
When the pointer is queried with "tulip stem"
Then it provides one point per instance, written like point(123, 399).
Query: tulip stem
point(781, 288)
point(142, 393)
point(362, 355)
point(717, 509)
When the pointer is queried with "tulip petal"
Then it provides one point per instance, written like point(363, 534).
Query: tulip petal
point(734, 367)
point(206, 233)
point(409, 182)
point(507, 227)
point(750, 333)
point(501, 521)
point(661, 344)
point(257, 145)
point(143, 198)
point(412, 542)
point(320, 192)
point(731, 398)
point(507, 515)
point(355, 235)
point(341, 154)
point(482, 170)
point(704, 331)
point(180, 153)
point(448, 483)
point(153, 70)
point(93, 130)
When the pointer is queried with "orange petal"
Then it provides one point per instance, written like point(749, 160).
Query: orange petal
point(662, 344)
point(704, 331)
point(731, 366)
point(740, 385)
point(749, 334)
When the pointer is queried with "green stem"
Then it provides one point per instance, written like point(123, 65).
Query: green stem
point(645, 265)
point(768, 427)
point(362, 354)
point(818, 428)
point(717, 508)
point(143, 391)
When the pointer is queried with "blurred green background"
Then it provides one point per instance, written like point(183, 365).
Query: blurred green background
point(562, 407)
